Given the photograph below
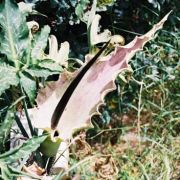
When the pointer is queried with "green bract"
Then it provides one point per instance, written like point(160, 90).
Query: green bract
point(51, 144)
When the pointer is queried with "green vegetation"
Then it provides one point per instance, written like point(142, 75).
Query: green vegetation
point(147, 103)
point(137, 134)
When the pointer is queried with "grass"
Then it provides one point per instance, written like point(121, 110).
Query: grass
point(137, 136)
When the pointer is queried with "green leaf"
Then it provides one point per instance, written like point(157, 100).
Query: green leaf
point(14, 33)
point(29, 86)
point(81, 7)
point(6, 175)
point(22, 151)
point(36, 72)
point(40, 43)
point(102, 3)
point(50, 65)
point(5, 128)
point(9, 172)
point(8, 77)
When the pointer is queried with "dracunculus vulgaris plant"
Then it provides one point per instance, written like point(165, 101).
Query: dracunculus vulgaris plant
point(68, 103)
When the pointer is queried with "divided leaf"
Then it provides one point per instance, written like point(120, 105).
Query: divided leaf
point(82, 5)
point(39, 43)
point(90, 91)
point(5, 128)
point(29, 86)
point(22, 151)
point(9, 173)
point(36, 72)
point(14, 33)
point(95, 36)
point(8, 77)
point(60, 56)
point(50, 65)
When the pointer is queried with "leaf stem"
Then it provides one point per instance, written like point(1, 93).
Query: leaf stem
point(89, 39)
point(139, 110)
point(21, 127)
point(29, 51)
point(19, 124)
point(50, 164)
point(26, 113)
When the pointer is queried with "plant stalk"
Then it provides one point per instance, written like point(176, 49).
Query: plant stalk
point(21, 127)
point(26, 113)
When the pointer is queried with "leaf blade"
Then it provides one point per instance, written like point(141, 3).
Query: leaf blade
point(5, 127)
point(23, 151)
point(29, 86)
point(8, 77)
point(36, 72)
point(14, 32)
point(39, 43)
point(50, 65)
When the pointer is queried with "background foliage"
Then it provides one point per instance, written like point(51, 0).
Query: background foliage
point(154, 104)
